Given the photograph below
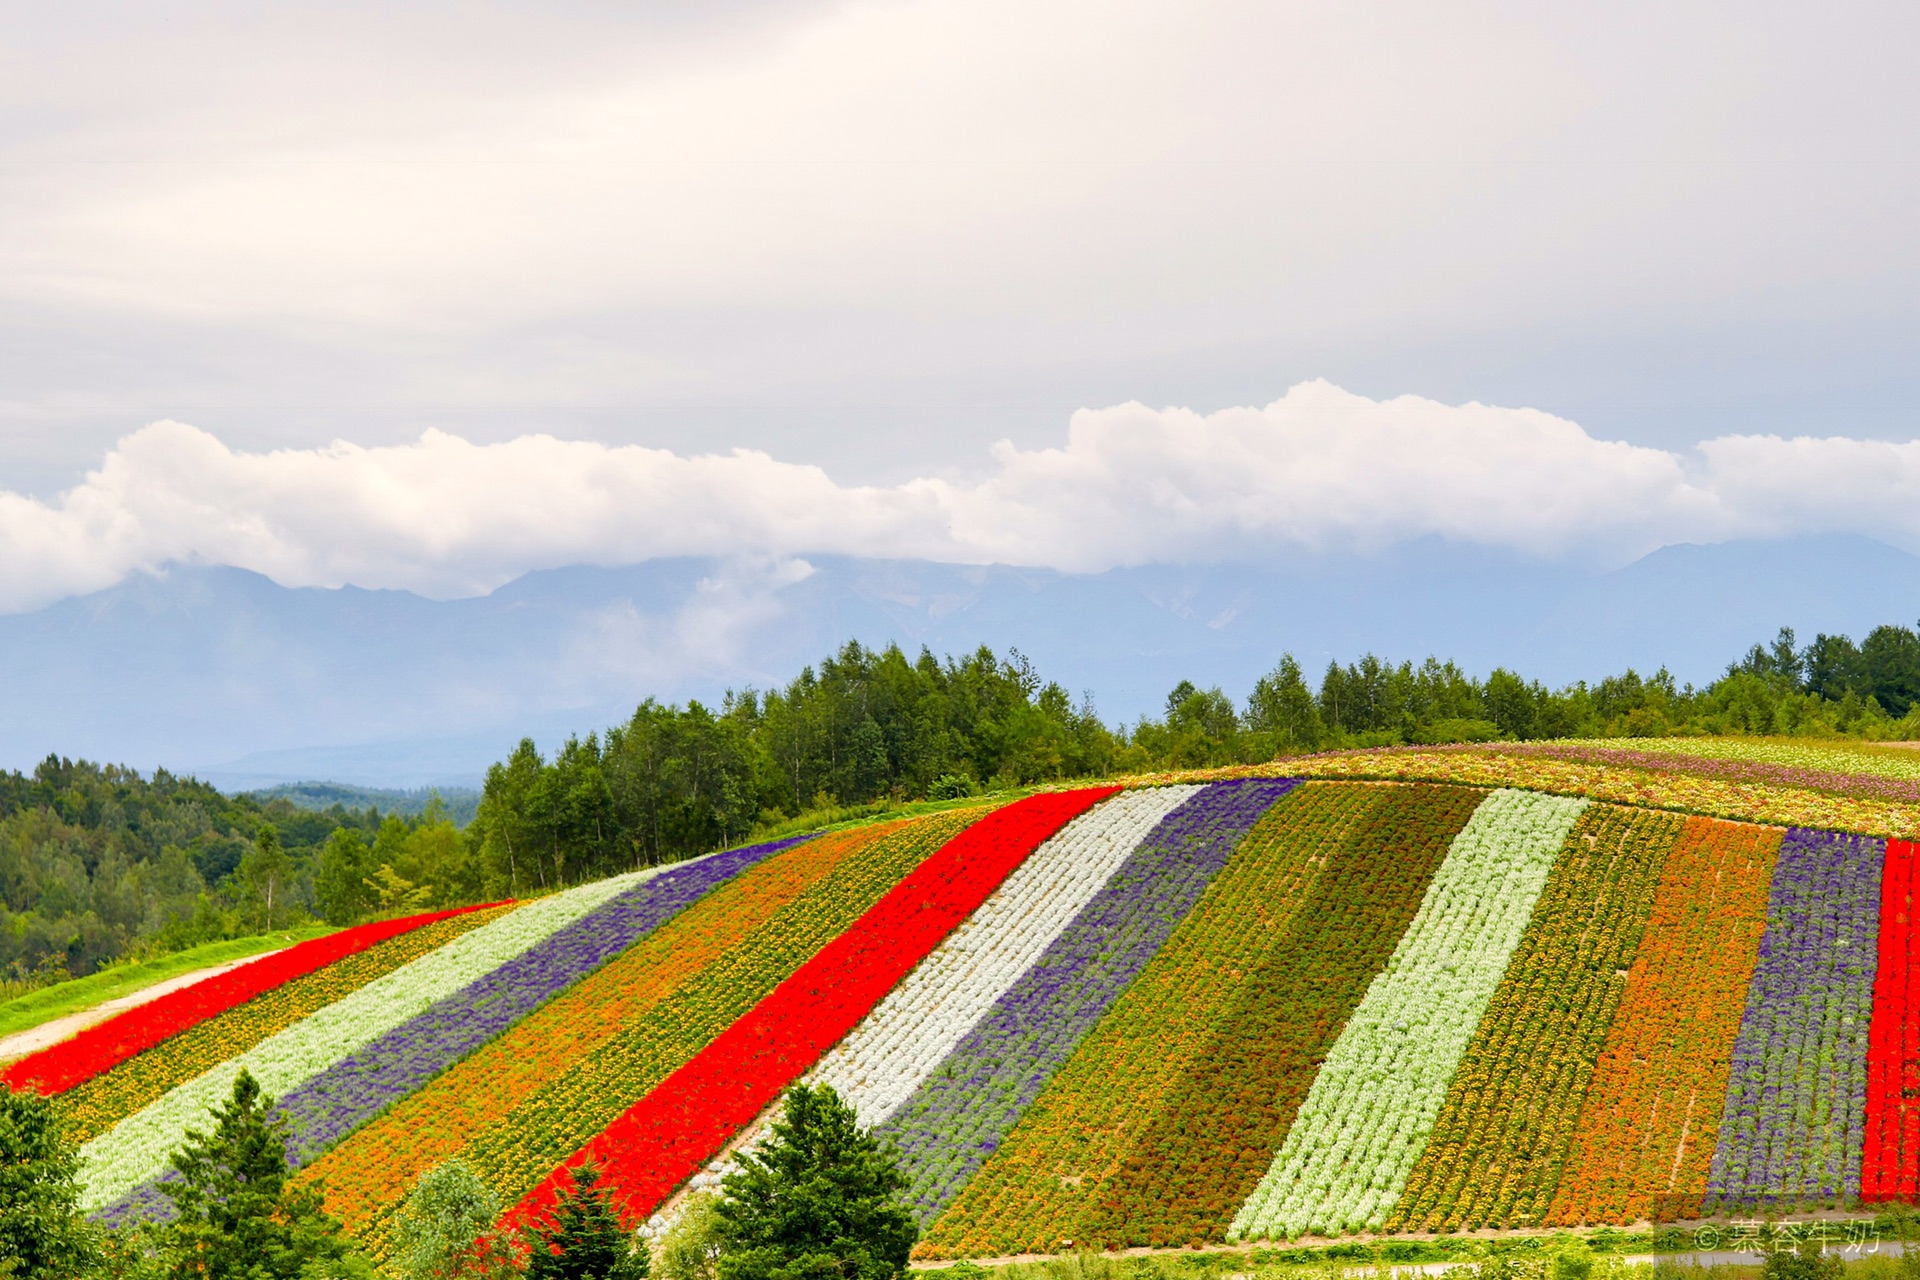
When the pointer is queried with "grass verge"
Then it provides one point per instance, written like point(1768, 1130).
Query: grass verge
point(79, 994)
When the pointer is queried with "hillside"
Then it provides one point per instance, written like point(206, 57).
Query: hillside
point(1419, 989)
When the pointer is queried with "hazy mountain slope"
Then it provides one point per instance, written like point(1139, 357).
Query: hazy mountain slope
point(222, 671)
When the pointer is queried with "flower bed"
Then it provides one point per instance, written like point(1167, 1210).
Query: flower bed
point(877, 1067)
point(1890, 1158)
point(96, 1105)
point(664, 1137)
point(1231, 1110)
point(323, 1110)
point(135, 1150)
point(959, 1115)
point(369, 1173)
point(107, 1044)
point(1497, 1149)
point(1795, 1116)
point(1647, 1129)
point(1369, 1112)
point(1746, 801)
point(1034, 1190)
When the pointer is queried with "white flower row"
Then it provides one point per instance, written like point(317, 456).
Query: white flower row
point(905, 1037)
point(137, 1148)
point(1368, 1115)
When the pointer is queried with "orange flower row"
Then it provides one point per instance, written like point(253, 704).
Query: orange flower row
point(379, 1164)
point(1646, 1134)
point(96, 1105)
point(595, 1060)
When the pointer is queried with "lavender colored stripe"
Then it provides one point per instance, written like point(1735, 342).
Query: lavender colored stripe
point(960, 1114)
point(340, 1099)
point(1795, 1112)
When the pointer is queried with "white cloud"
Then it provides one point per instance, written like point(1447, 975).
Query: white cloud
point(1319, 468)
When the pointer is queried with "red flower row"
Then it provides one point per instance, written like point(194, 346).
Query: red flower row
point(1890, 1162)
point(108, 1044)
point(667, 1135)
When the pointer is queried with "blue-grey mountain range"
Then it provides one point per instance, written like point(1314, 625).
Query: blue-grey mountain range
point(223, 673)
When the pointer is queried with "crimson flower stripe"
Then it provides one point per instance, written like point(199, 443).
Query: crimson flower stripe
point(106, 1045)
point(666, 1136)
point(1891, 1157)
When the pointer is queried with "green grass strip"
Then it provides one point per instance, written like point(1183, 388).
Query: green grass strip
point(23, 1013)
point(94, 1106)
point(1503, 1136)
point(1058, 1159)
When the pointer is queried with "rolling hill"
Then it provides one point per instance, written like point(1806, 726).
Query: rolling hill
point(1509, 986)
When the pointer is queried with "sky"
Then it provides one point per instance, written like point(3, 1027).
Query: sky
point(431, 295)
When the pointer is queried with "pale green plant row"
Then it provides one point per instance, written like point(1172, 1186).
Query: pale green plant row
point(136, 1149)
point(1371, 1109)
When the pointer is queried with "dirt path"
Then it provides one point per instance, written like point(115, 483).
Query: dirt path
point(34, 1039)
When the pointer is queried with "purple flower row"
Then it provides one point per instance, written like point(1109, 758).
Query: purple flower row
point(960, 1114)
point(1795, 1111)
point(346, 1095)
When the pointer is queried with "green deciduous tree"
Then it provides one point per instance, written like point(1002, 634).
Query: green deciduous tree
point(445, 1232)
point(237, 1216)
point(820, 1199)
point(691, 1247)
point(585, 1240)
point(42, 1233)
point(266, 880)
point(339, 877)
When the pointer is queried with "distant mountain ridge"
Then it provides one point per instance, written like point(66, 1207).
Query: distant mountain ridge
point(223, 673)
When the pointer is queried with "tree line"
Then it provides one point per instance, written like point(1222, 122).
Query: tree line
point(99, 864)
point(872, 727)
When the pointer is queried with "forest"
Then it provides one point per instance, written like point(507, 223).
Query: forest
point(100, 864)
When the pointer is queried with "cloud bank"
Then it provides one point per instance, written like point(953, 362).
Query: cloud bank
point(1319, 469)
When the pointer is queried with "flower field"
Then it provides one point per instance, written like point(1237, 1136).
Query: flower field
point(1429, 989)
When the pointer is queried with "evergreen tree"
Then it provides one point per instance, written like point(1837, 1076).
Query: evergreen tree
point(586, 1240)
point(42, 1234)
point(238, 1219)
point(819, 1200)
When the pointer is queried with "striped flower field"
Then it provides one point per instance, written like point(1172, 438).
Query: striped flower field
point(1406, 992)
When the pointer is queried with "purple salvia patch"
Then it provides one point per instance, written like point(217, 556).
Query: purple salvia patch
point(960, 1114)
point(1795, 1112)
point(340, 1099)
